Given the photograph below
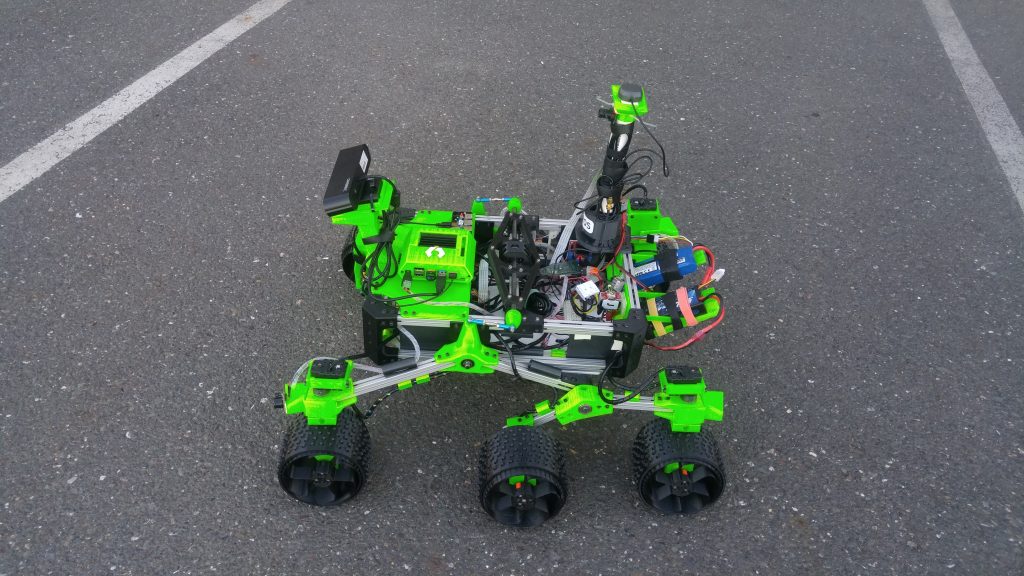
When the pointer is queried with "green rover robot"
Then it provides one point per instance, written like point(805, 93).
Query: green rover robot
point(570, 304)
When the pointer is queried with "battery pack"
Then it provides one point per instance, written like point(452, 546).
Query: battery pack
point(667, 266)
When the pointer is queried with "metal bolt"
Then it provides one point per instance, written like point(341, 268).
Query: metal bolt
point(467, 363)
point(585, 409)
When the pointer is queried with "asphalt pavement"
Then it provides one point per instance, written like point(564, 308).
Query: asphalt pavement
point(158, 286)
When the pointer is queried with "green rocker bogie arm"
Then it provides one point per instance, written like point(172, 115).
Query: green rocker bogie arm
point(682, 398)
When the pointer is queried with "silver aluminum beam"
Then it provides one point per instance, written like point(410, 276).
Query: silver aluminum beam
point(544, 418)
point(551, 326)
point(377, 382)
point(505, 366)
point(579, 327)
point(644, 404)
point(545, 223)
point(584, 365)
point(634, 298)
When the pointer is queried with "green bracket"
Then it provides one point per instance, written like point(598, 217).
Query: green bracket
point(580, 403)
point(521, 420)
point(644, 222)
point(514, 318)
point(627, 111)
point(405, 385)
point(320, 399)
point(515, 205)
point(527, 419)
point(712, 307)
point(673, 466)
point(687, 404)
point(468, 352)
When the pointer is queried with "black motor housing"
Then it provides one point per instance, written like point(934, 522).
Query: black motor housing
point(598, 234)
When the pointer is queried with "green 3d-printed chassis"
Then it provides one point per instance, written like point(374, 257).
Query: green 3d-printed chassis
point(430, 308)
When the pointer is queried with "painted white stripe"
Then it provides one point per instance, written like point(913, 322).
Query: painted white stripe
point(1003, 134)
point(35, 161)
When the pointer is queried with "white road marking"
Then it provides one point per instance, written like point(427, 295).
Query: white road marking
point(1003, 134)
point(35, 161)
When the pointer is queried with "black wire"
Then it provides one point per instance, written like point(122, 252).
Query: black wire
point(511, 355)
point(561, 344)
point(434, 296)
point(635, 187)
point(375, 275)
point(643, 151)
point(604, 374)
point(376, 403)
point(492, 304)
point(572, 302)
point(636, 177)
point(664, 165)
point(519, 346)
point(583, 314)
point(614, 401)
point(576, 204)
point(427, 296)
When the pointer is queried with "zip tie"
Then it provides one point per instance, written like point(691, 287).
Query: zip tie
point(659, 328)
point(684, 306)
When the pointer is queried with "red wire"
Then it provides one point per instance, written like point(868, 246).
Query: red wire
point(622, 237)
point(638, 283)
point(699, 334)
point(711, 263)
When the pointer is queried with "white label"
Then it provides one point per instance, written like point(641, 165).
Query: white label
point(587, 289)
point(588, 225)
point(645, 269)
point(363, 161)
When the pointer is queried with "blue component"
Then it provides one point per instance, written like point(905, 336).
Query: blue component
point(649, 272)
point(691, 296)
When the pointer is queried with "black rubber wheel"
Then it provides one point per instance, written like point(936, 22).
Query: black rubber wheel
point(348, 256)
point(522, 477)
point(324, 465)
point(677, 472)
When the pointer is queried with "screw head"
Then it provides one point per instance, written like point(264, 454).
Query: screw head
point(467, 363)
point(585, 409)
